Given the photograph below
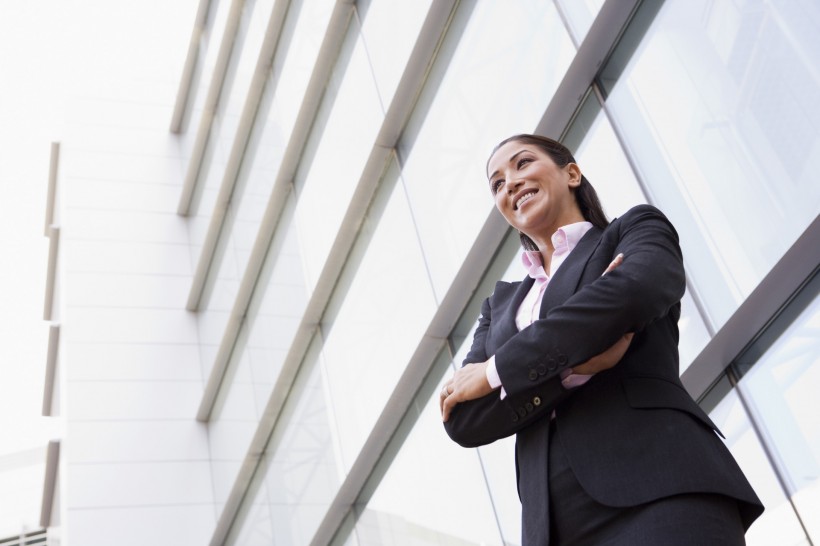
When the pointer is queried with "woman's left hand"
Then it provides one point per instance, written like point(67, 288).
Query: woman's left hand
point(468, 383)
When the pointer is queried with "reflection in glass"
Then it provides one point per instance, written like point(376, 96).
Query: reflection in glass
point(719, 107)
point(259, 169)
point(300, 475)
point(778, 524)
point(782, 389)
point(433, 494)
point(375, 325)
point(389, 30)
point(260, 350)
point(493, 88)
point(579, 15)
point(342, 139)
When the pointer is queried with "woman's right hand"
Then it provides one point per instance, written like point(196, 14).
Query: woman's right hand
point(614, 354)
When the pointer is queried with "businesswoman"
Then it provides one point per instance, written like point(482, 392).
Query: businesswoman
point(580, 361)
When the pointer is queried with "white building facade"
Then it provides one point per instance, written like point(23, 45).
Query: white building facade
point(256, 307)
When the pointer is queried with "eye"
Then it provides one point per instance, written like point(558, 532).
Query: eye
point(495, 184)
point(523, 161)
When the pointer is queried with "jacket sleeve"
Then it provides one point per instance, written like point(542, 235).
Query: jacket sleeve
point(642, 289)
point(482, 421)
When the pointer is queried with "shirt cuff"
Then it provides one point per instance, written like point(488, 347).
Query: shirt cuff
point(573, 380)
point(492, 377)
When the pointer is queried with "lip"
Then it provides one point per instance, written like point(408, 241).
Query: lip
point(521, 194)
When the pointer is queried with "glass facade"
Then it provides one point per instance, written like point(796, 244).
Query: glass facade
point(713, 117)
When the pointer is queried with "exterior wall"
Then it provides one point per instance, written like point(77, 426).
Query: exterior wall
point(136, 462)
point(354, 191)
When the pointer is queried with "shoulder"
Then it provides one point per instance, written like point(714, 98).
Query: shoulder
point(503, 289)
point(637, 216)
point(640, 212)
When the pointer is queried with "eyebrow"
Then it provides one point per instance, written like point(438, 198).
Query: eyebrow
point(512, 158)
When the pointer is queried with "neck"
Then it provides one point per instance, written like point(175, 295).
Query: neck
point(544, 240)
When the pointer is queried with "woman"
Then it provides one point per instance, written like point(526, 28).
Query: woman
point(610, 448)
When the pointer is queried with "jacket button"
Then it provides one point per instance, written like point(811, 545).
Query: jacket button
point(533, 375)
point(562, 360)
point(551, 364)
point(515, 417)
point(542, 370)
point(522, 412)
point(528, 406)
point(536, 401)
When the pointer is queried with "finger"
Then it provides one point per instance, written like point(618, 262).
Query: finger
point(619, 259)
point(442, 395)
point(447, 407)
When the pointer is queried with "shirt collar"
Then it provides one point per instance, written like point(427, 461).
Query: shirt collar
point(565, 239)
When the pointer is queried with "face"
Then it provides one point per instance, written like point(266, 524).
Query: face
point(531, 191)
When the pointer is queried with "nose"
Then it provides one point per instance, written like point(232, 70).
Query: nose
point(513, 186)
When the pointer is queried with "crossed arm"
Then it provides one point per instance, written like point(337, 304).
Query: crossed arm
point(647, 287)
point(470, 382)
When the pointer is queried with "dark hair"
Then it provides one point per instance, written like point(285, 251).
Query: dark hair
point(585, 194)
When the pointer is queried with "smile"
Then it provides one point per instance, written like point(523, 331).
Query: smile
point(524, 198)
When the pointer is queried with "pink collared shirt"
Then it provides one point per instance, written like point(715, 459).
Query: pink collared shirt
point(564, 241)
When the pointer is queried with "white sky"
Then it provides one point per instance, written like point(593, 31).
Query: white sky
point(49, 50)
point(31, 86)
point(30, 106)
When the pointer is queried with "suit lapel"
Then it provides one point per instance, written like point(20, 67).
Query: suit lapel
point(565, 281)
point(504, 328)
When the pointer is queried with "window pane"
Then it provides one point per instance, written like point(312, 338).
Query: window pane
point(433, 494)
point(719, 107)
point(384, 307)
point(778, 524)
point(782, 389)
point(579, 15)
point(493, 88)
point(343, 137)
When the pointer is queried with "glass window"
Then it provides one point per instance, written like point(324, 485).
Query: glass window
point(383, 308)
point(579, 15)
point(718, 106)
point(434, 492)
point(389, 31)
point(300, 475)
point(781, 389)
point(266, 336)
point(305, 26)
point(499, 81)
point(778, 524)
point(343, 137)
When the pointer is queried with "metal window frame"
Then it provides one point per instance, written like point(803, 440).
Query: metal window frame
point(261, 84)
point(189, 70)
point(412, 81)
point(227, 55)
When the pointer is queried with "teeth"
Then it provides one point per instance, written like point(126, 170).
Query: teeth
point(523, 198)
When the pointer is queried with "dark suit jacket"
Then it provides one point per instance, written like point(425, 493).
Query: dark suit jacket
point(632, 434)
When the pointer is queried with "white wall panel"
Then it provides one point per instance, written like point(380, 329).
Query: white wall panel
point(124, 441)
point(143, 258)
point(126, 226)
point(122, 325)
point(88, 193)
point(126, 290)
point(121, 167)
point(103, 400)
point(137, 526)
point(133, 362)
point(139, 484)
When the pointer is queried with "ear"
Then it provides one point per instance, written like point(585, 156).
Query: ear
point(574, 172)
